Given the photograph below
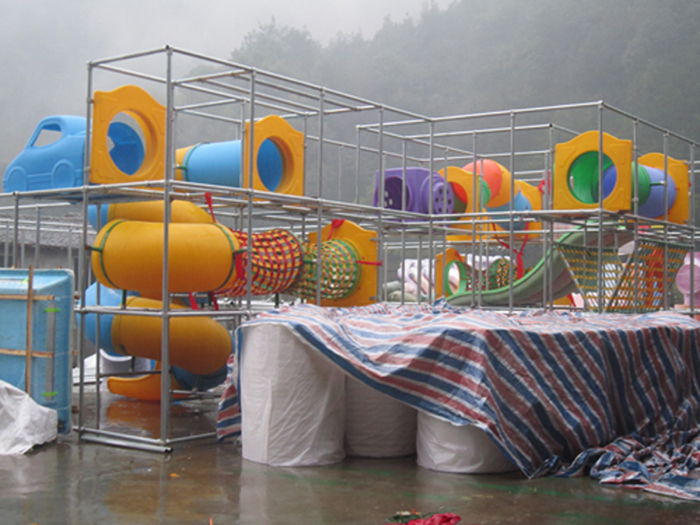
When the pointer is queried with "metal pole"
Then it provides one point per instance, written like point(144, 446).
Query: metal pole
point(511, 234)
point(37, 238)
point(6, 253)
point(165, 312)
point(81, 285)
point(665, 289)
point(30, 309)
point(635, 210)
point(15, 238)
point(431, 209)
point(380, 208)
point(691, 221)
point(319, 211)
point(250, 146)
point(601, 298)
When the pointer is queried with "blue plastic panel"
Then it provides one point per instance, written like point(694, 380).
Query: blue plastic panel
point(52, 314)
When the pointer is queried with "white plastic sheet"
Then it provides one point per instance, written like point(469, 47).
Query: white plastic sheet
point(23, 422)
point(377, 425)
point(443, 446)
point(292, 401)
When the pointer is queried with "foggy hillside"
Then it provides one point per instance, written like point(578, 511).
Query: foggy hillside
point(641, 56)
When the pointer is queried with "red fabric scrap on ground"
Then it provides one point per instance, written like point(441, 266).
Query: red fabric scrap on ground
point(436, 519)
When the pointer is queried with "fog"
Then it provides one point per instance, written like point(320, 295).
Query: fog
point(45, 45)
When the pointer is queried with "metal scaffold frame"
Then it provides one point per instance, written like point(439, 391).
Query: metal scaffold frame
point(348, 141)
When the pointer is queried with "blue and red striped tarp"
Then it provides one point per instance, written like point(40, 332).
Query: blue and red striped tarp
point(546, 386)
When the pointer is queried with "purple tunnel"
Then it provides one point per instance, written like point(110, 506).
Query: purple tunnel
point(417, 191)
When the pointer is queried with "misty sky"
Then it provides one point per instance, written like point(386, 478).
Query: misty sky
point(45, 44)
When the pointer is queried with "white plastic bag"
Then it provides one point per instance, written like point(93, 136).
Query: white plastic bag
point(443, 446)
point(292, 400)
point(377, 425)
point(23, 422)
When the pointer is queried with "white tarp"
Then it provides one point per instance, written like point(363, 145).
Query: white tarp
point(23, 422)
point(292, 400)
point(377, 425)
point(464, 449)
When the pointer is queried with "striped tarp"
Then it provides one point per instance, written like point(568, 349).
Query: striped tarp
point(545, 386)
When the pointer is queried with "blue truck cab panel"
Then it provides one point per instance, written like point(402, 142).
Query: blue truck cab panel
point(54, 156)
point(57, 164)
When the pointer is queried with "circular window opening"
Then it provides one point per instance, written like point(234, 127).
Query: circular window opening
point(584, 174)
point(125, 143)
point(270, 165)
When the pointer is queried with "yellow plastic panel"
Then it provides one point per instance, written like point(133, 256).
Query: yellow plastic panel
point(678, 171)
point(450, 255)
point(617, 150)
point(149, 114)
point(464, 180)
point(365, 244)
point(290, 144)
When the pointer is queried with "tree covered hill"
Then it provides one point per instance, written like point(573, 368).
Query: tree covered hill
point(642, 56)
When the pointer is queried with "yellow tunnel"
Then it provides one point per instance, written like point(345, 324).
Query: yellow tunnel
point(128, 255)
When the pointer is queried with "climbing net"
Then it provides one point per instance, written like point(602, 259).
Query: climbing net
point(276, 262)
point(340, 271)
point(637, 286)
point(282, 264)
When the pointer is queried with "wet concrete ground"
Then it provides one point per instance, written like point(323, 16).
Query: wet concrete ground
point(73, 482)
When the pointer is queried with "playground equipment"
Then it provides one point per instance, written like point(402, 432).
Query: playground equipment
point(688, 279)
point(482, 192)
point(481, 187)
point(207, 257)
point(278, 149)
point(409, 190)
point(416, 279)
point(577, 171)
point(202, 360)
point(489, 205)
point(486, 186)
point(120, 153)
point(54, 156)
point(573, 264)
point(278, 164)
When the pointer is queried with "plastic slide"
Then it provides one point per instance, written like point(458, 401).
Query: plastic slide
point(528, 291)
point(127, 256)
point(199, 346)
